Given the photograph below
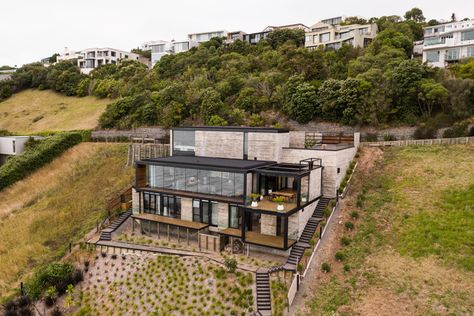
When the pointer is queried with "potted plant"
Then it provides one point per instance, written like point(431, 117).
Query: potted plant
point(280, 201)
point(254, 197)
point(304, 198)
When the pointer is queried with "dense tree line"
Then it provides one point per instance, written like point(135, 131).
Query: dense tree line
point(239, 83)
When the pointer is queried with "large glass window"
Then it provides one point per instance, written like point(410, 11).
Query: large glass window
point(180, 179)
point(234, 216)
point(203, 181)
point(432, 56)
point(168, 177)
point(470, 51)
point(162, 204)
point(452, 54)
point(215, 182)
point(239, 184)
point(205, 211)
point(228, 186)
point(325, 37)
point(467, 36)
point(191, 180)
point(183, 141)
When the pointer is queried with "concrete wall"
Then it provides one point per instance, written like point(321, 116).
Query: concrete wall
point(331, 161)
point(297, 139)
point(297, 222)
point(135, 201)
point(267, 146)
point(186, 209)
point(315, 183)
point(219, 144)
point(6, 145)
point(268, 225)
point(223, 215)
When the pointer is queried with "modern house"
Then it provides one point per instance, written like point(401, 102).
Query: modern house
point(206, 36)
point(236, 35)
point(12, 146)
point(330, 34)
point(91, 58)
point(255, 185)
point(254, 38)
point(448, 43)
point(161, 48)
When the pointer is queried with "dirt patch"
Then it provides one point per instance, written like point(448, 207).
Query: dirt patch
point(382, 302)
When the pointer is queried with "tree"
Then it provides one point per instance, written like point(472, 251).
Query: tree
point(211, 104)
point(453, 17)
point(433, 22)
point(141, 52)
point(431, 97)
point(415, 14)
point(216, 120)
point(302, 106)
point(277, 38)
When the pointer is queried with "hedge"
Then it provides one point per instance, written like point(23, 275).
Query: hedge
point(18, 167)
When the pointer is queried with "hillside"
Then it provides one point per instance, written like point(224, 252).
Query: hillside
point(57, 204)
point(33, 111)
point(412, 249)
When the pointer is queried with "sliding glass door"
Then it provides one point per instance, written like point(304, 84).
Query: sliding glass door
point(162, 204)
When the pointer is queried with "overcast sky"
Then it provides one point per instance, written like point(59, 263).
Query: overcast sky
point(31, 30)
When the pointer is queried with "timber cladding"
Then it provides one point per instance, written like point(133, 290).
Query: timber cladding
point(140, 176)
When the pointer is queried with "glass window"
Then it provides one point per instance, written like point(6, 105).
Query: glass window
point(304, 189)
point(196, 210)
point(325, 37)
point(205, 211)
point(467, 36)
point(215, 182)
point(168, 177)
point(203, 181)
point(228, 187)
point(452, 54)
point(239, 184)
point(470, 51)
point(180, 179)
point(214, 213)
point(155, 176)
point(183, 141)
point(432, 56)
point(191, 180)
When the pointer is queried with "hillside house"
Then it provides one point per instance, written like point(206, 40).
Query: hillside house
point(208, 183)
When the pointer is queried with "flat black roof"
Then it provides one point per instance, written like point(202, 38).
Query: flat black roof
point(208, 163)
point(234, 129)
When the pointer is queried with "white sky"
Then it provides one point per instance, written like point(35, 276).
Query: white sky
point(34, 29)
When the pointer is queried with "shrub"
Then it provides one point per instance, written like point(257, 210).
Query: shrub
point(59, 275)
point(18, 167)
point(327, 211)
point(300, 267)
point(231, 264)
point(345, 241)
point(349, 225)
point(457, 130)
point(425, 132)
point(339, 256)
point(355, 215)
point(371, 137)
point(50, 296)
point(389, 137)
point(18, 306)
point(326, 267)
point(347, 267)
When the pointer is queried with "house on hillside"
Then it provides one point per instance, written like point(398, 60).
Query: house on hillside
point(161, 48)
point(12, 146)
point(448, 43)
point(257, 186)
point(330, 33)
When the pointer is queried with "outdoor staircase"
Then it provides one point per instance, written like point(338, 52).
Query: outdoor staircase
point(106, 234)
point(319, 210)
point(264, 299)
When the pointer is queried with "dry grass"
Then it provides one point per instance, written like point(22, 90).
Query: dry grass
point(63, 209)
point(32, 111)
point(412, 249)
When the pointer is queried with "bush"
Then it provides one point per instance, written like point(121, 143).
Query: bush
point(345, 241)
point(389, 137)
point(339, 256)
point(471, 131)
point(347, 267)
point(371, 137)
point(326, 267)
point(57, 275)
point(18, 167)
point(355, 215)
point(425, 132)
point(349, 225)
point(457, 130)
point(231, 264)
point(50, 296)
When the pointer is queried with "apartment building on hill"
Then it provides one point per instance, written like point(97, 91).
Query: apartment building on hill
point(331, 34)
point(448, 43)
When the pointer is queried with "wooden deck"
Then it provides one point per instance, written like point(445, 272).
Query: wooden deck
point(170, 221)
point(267, 205)
point(258, 239)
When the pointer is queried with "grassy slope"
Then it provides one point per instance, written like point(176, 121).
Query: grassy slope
point(413, 252)
point(62, 205)
point(33, 111)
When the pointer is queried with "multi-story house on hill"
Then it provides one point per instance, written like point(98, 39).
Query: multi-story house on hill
point(206, 36)
point(256, 185)
point(329, 35)
point(91, 58)
point(448, 43)
point(161, 48)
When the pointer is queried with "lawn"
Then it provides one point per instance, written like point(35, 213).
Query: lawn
point(33, 111)
point(162, 285)
point(55, 206)
point(412, 251)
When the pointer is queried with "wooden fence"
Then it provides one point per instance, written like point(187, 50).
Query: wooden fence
point(138, 151)
point(421, 142)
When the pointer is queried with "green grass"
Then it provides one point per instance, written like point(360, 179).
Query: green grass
point(33, 111)
point(414, 241)
point(40, 229)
